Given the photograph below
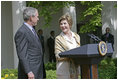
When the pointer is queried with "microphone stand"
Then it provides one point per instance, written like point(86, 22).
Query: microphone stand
point(95, 38)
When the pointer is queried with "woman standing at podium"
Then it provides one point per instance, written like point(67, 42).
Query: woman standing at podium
point(66, 40)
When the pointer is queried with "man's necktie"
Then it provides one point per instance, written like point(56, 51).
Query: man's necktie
point(35, 34)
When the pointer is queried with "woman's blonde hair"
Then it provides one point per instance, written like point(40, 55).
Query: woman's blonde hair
point(68, 18)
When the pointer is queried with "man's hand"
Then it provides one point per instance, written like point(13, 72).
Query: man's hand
point(31, 75)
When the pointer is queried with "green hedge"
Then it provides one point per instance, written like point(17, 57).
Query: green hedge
point(50, 66)
point(12, 73)
point(51, 74)
point(9, 74)
point(107, 69)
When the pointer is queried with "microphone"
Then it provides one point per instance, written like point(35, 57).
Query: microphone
point(95, 38)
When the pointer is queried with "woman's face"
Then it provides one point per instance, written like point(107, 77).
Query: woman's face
point(64, 26)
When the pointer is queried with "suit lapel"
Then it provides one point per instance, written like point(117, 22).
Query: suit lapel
point(32, 35)
point(29, 31)
point(77, 39)
point(63, 43)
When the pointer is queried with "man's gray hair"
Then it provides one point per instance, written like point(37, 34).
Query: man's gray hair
point(28, 12)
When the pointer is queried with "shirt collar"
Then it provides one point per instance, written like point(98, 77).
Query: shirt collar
point(73, 35)
point(52, 37)
point(66, 38)
point(30, 27)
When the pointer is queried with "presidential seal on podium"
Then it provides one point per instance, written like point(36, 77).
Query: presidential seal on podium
point(102, 48)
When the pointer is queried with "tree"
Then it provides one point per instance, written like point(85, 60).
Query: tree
point(93, 11)
point(48, 8)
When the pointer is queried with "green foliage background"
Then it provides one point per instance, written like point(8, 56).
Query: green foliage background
point(48, 8)
point(93, 10)
point(107, 69)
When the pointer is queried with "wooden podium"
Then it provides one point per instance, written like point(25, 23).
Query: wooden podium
point(88, 57)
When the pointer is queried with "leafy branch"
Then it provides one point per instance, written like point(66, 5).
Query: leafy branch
point(93, 11)
point(48, 8)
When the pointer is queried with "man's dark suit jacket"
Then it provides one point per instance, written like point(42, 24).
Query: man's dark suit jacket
point(110, 38)
point(29, 52)
point(41, 38)
point(51, 43)
point(42, 42)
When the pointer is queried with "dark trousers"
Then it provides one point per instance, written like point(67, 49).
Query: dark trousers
point(44, 72)
point(52, 58)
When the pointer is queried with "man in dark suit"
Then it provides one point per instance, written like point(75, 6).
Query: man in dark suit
point(28, 47)
point(107, 37)
point(40, 35)
point(41, 38)
point(51, 43)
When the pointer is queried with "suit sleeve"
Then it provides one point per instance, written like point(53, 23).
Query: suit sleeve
point(48, 42)
point(21, 47)
point(77, 39)
point(58, 48)
point(112, 39)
